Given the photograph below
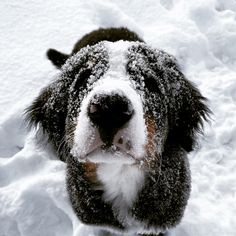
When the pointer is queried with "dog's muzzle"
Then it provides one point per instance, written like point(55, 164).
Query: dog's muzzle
point(110, 126)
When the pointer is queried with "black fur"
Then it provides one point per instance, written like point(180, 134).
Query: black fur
point(160, 203)
point(57, 58)
point(55, 107)
point(175, 103)
point(172, 91)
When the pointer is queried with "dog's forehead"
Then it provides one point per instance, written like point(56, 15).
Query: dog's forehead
point(103, 60)
point(88, 55)
point(116, 54)
point(133, 62)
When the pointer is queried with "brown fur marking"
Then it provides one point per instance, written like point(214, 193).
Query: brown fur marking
point(91, 173)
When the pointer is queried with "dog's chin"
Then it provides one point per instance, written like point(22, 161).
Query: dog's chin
point(112, 155)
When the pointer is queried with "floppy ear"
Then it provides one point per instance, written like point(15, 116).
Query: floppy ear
point(49, 110)
point(57, 58)
point(190, 117)
point(185, 104)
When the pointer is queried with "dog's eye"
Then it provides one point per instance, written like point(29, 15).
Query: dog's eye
point(151, 83)
point(152, 80)
point(82, 78)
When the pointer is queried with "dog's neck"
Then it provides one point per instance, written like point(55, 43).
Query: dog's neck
point(120, 183)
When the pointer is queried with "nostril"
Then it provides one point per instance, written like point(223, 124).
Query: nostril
point(93, 109)
point(95, 113)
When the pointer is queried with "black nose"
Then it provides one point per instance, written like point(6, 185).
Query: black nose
point(109, 113)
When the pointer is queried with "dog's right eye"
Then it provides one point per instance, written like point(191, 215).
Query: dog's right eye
point(82, 78)
point(151, 83)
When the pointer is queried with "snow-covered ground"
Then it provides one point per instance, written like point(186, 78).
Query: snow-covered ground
point(200, 33)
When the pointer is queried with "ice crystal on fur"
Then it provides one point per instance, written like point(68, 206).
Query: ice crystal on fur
point(169, 96)
point(114, 81)
point(86, 67)
point(57, 106)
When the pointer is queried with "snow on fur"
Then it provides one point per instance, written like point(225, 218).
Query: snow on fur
point(115, 80)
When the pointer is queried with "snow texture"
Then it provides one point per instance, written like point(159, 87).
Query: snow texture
point(200, 34)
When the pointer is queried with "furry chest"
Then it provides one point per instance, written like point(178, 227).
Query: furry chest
point(121, 184)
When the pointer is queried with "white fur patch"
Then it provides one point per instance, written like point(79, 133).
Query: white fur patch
point(121, 183)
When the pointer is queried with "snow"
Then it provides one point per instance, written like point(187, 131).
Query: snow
point(201, 34)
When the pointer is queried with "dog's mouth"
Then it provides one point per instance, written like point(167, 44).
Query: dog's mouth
point(119, 151)
point(111, 154)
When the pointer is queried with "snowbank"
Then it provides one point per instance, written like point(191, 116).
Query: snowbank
point(201, 34)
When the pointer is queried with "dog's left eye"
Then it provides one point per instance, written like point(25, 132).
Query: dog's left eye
point(82, 77)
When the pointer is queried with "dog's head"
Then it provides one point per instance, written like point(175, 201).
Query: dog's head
point(119, 101)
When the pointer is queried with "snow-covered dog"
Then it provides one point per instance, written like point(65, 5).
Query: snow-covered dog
point(123, 117)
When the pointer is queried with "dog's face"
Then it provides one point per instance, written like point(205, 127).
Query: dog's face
point(111, 112)
point(121, 101)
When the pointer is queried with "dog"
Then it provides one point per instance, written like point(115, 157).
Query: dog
point(123, 117)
